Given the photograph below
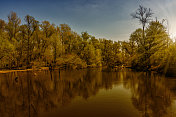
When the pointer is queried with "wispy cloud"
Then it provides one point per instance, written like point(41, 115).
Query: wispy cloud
point(102, 18)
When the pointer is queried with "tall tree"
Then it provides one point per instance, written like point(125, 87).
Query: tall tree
point(2, 26)
point(48, 31)
point(149, 53)
point(143, 15)
point(65, 32)
point(156, 39)
point(55, 42)
point(31, 25)
point(13, 25)
point(6, 48)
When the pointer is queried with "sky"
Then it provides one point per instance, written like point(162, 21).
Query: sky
point(108, 19)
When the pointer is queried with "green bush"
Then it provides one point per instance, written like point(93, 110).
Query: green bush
point(70, 61)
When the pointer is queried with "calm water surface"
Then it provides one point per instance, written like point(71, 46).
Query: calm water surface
point(86, 93)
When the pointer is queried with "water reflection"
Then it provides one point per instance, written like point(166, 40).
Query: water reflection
point(150, 94)
point(31, 93)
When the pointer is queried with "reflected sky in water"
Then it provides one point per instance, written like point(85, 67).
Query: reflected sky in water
point(88, 93)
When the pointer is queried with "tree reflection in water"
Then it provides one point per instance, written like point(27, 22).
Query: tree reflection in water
point(150, 94)
point(30, 93)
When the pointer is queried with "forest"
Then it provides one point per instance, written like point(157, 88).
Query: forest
point(43, 44)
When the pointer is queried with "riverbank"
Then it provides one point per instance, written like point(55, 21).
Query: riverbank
point(23, 70)
point(170, 72)
point(34, 68)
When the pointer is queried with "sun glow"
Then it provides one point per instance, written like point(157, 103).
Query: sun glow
point(173, 37)
point(164, 10)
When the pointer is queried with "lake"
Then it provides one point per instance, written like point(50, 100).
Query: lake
point(87, 93)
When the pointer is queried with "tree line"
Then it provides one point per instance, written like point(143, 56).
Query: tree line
point(37, 43)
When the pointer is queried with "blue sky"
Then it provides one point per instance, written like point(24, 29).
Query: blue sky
point(108, 19)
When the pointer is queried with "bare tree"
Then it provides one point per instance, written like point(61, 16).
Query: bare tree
point(143, 15)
